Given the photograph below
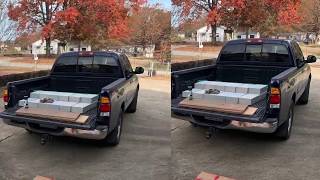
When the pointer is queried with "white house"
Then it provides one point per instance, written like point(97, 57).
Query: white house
point(243, 35)
point(56, 47)
point(39, 47)
point(204, 34)
point(74, 46)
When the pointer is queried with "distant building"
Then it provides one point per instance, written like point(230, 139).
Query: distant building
point(39, 47)
point(56, 47)
point(204, 34)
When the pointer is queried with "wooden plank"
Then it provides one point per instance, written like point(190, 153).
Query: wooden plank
point(43, 178)
point(82, 119)
point(250, 111)
point(48, 114)
point(209, 176)
point(213, 106)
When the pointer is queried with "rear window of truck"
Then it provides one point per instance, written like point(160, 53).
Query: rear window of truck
point(88, 64)
point(272, 53)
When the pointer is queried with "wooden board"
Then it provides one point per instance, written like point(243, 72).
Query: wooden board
point(48, 114)
point(43, 178)
point(209, 176)
point(82, 119)
point(250, 111)
point(212, 106)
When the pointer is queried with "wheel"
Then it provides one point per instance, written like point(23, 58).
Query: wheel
point(284, 131)
point(305, 96)
point(133, 106)
point(113, 138)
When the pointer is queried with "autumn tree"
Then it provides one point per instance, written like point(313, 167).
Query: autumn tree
point(24, 40)
point(310, 13)
point(190, 26)
point(94, 22)
point(80, 20)
point(150, 25)
point(196, 8)
point(246, 14)
point(32, 15)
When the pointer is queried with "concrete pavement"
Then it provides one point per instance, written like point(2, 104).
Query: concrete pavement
point(250, 156)
point(143, 153)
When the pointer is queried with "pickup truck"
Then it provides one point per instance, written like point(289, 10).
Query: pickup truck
point(108, 74)
point(280, 64)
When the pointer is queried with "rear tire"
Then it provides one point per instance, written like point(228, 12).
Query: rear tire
point(305, 96)
point(284, 131)
point(133, 105)
point(113, 138)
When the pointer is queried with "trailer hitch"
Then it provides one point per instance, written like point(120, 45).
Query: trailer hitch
point(45, 138)
point(211, 131)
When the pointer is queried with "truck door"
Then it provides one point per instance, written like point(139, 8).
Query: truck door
point(302, 74)
point(131, 79)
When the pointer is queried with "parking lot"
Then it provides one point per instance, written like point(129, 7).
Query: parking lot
point(143, 153)
point(246, 156)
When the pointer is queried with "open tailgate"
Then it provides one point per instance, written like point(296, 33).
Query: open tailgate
point(220, 116)
point(11, 117)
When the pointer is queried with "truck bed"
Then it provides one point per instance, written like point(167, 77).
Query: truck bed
point(220, 116)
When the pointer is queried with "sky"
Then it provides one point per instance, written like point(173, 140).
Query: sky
point(164, 3)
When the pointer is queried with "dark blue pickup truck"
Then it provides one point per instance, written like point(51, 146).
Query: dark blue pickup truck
point(280, 64)
point(108, 74)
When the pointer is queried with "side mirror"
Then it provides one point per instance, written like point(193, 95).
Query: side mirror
point(139, 70)
point(311, 59)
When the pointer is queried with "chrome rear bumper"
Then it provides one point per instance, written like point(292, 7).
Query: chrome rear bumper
point(86, 134)
point(264, 127)
point(95, 134)
point(270, 125)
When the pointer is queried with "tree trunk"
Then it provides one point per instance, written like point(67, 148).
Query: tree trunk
point(247, 33)
point(214, 33)
point(79, 46)
point(317, 38)
point(48, 46)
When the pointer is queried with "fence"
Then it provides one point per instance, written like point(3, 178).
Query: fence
point(151, 66)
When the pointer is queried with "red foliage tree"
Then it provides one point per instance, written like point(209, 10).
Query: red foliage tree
point(74, 19)
point(241, 13)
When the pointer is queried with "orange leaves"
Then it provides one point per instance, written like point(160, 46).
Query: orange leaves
point(69, 15)
point(213, 16)
point(242, 13)
point(81, 19)
point(288, 15)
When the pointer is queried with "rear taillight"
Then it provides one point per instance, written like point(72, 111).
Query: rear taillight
point(104, 106)
point(275, 98)
point(5, 97)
